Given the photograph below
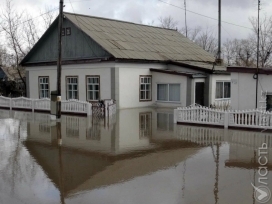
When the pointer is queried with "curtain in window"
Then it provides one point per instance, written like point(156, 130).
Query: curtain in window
point(219, 90)
point(162, 92)
point(226, 89)
point(174, 92)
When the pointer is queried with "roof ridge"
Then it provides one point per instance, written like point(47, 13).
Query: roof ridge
point(122, 21)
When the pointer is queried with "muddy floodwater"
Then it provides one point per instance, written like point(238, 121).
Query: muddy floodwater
point(136, 156)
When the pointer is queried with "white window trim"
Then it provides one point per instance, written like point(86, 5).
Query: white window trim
point(161, 101)
point(41, 77)
point(219, 99)
point(140, 83)
point(67, 87)
point(92, 76)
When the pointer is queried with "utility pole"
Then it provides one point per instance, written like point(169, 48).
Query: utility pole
point(59, 59)
point(258, 52)
point(185, 19)
point(219, 31)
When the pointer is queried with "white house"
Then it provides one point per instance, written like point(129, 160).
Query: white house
point(137, 65)
point(245, 86)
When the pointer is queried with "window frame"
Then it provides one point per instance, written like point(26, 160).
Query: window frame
point(40, 87)
point(86, 85)
point(223, 98)
point(168, 91)
point(68, 31)
point(66, 86)
point(143, 76)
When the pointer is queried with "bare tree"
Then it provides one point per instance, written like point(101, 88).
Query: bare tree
point(265, 39)
point(48, 14)
point(168, 22)
point(11, 25)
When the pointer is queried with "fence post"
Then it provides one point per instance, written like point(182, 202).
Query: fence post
point(10, 103)
point(89, 109)
point(226, 119)
point(32, 104)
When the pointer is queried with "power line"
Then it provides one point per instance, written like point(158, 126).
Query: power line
point(33, 18)
point(204, 15)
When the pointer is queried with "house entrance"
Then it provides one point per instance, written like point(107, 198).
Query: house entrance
point(269, 103)
point(199, 93)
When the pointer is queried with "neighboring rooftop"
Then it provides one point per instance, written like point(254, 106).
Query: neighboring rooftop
point(12, 73)
point(126, 40)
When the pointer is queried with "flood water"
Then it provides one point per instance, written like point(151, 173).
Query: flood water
point(137, 156)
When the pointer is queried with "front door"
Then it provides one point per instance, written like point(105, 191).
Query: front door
point(199, 93)
point(269, 102)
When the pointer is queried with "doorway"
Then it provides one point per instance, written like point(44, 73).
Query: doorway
point(199, 93)
point(269, 103)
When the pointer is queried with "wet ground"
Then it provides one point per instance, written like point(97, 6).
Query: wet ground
point(137, 156)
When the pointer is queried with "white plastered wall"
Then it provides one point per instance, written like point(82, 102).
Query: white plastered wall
point(161, 78)
point(243, 90)
point(80, 71)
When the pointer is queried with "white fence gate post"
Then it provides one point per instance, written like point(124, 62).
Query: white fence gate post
point(89, 109)
point(226, 120)
point(33, 105)
point(10, 104)
point(176, 115)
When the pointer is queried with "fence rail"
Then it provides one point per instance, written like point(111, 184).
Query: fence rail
point(69, 106)
point(235, 118)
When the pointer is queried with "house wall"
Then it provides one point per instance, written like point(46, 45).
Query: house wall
point(81, 71)
point(160, 78)
point(127, 84)
point(78, 45)
point(213, 79)
point(243, 90)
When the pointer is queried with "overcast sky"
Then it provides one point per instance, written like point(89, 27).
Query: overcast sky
point(148, 11)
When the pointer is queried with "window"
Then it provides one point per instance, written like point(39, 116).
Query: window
point(222, 90)
point(68, 31)
point(145, 88)
point(168, 92)
point(93, 87)
point(44, 87)
point(71, 87)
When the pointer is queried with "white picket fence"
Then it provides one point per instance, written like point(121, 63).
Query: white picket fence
point(76, 106)
point(70, 106)
point(25, 103)
point(235, 118)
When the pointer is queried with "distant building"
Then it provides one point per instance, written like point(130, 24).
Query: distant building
point(137, 65)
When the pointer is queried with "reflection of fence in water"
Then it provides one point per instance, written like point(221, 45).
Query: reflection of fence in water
point(200, 135)
point(250, 139)
point(5, 113)
point(72, 126)
point(94, 132)
point(44, 128)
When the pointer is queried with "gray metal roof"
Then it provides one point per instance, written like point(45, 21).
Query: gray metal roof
point(125, 40)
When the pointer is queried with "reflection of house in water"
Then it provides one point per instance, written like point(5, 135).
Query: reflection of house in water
point(244, 145)
point(95, 153)
point(98, 152)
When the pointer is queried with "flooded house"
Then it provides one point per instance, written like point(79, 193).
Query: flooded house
point(137, 65)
